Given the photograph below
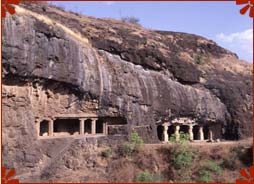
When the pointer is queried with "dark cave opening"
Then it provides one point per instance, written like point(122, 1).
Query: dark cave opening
point(160, 132)
point(70, 126)
point(99, 126)
point(88, 126)
point(184, 129)
point(44, 127)
point(206, 132)
point(196, 132)
point(171, 130)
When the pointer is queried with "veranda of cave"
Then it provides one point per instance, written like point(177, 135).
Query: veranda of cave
point(197, 132)
point(91, 125)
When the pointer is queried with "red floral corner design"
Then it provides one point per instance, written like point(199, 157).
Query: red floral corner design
point(6, 177)
point(6, 6)
point(249, 5)
point(249, 177)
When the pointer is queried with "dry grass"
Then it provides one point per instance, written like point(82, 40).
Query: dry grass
point(230, 64)
point(48, 21)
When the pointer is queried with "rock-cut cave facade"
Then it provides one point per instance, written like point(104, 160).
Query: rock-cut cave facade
point(92, 125)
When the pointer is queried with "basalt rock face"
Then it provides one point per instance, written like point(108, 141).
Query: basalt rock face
point(56, 62)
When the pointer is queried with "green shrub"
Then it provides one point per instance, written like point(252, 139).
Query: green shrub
point(132, 20)
point(204, 175)
point(106, 153)
point(144, 176)
point(182, 156)
point(136, 139)
point(172, 138)
point(134, 145)
point(126, 149)
point(208, 167)
point(212, 166)
point(183, 138)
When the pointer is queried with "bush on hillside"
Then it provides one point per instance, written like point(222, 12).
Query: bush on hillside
point(131, 19)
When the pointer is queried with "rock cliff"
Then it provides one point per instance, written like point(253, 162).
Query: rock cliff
point(57, 62)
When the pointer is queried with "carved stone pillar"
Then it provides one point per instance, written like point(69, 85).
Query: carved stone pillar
point(51, 127)
point(177, 134)
point(201, 133)
point(191, 132)
point(165, 133)
point(81, 126)
point(105, 128)
point(94, 126)
point(210, 135)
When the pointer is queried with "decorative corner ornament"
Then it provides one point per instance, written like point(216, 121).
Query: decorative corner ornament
point(6, 176)
point(249, 178)
point(6, 6)
point(249, 5)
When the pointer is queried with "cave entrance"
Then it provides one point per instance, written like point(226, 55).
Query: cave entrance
point(88, 126)
point(206, 132)
point(160, 132)
point(44, 128)
point(99, 126)
point(66, 126)
point(171, 130)
point(196, 132)
point(216, 130)
point(184, 129)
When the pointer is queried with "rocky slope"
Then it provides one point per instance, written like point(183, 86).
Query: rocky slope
point(57, 62)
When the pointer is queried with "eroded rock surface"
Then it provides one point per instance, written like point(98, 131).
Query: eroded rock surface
point(61, 63)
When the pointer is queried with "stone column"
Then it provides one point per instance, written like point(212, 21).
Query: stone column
point(191, 132)
point(51, 127)
point(201, 133)
point(177, 134)
point(210, 135)
point(165, 133)
point(81, 126)
point(223, 131)
point(94, 126)
point(105, 128)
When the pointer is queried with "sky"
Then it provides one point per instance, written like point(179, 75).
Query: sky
point(218, 21)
